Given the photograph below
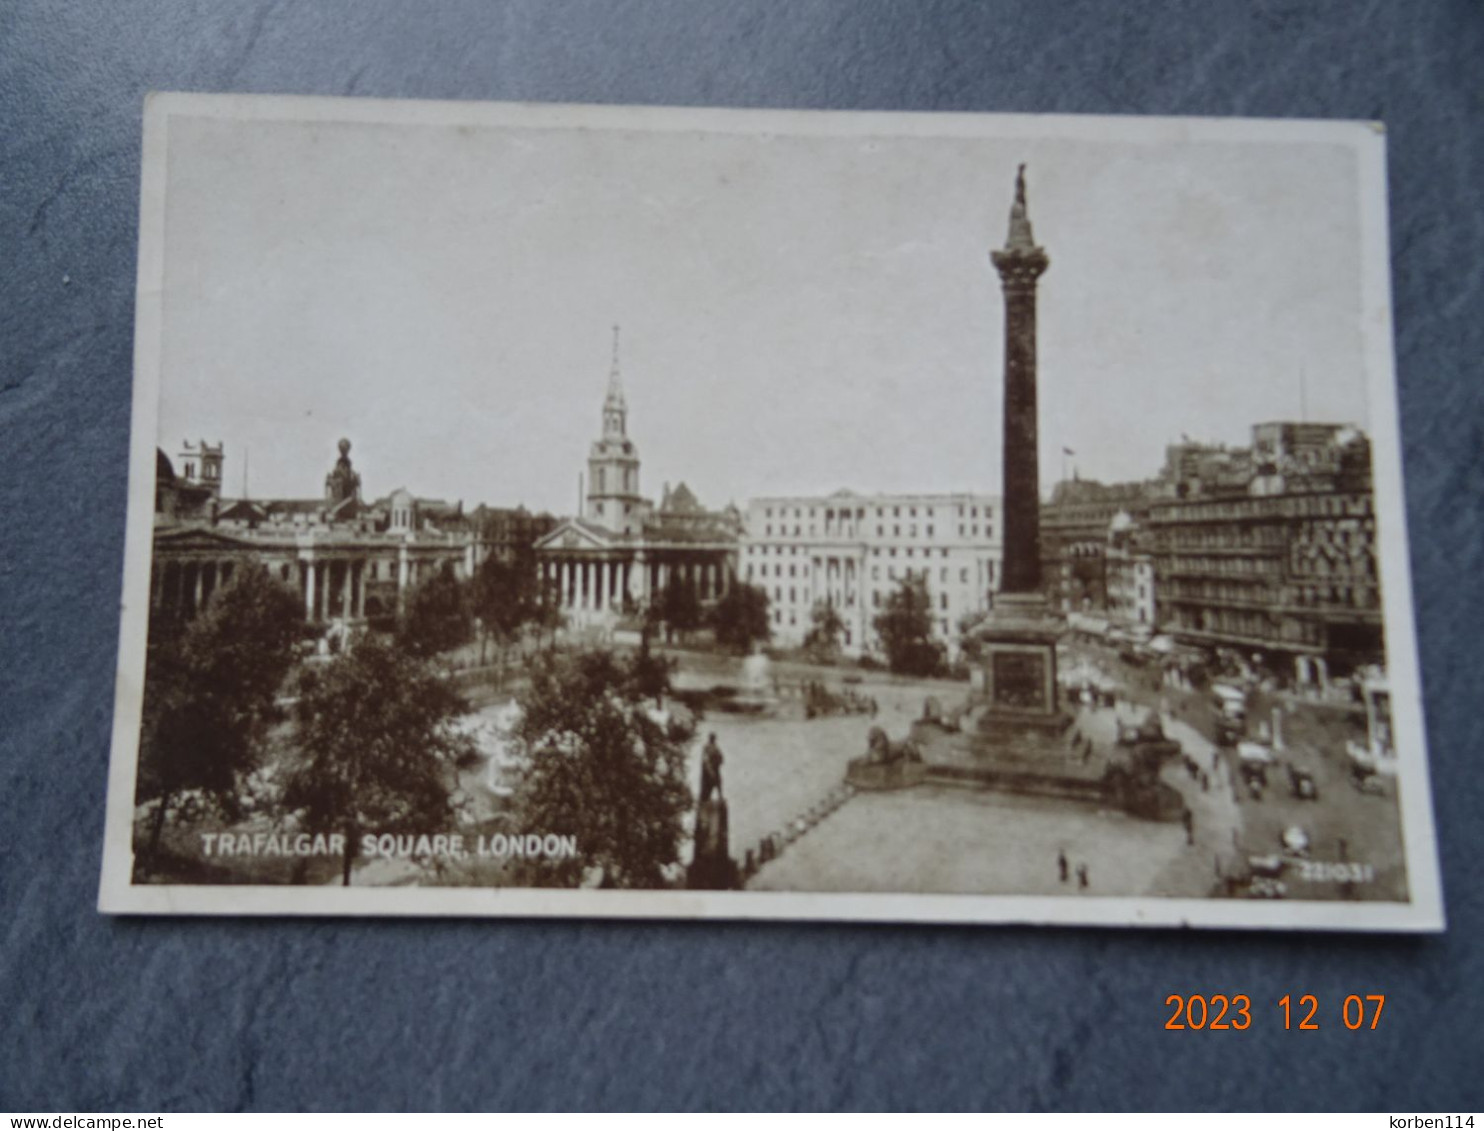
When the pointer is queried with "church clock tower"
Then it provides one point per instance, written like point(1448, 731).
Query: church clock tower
point(613, 498)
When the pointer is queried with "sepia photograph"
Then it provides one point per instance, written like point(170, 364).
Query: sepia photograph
point(635, 512)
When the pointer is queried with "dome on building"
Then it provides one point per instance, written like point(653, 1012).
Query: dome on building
point(164, 469)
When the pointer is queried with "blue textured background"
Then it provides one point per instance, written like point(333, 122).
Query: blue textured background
point(100, 1013)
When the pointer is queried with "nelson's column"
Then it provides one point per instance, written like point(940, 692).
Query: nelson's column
point(1019, 639)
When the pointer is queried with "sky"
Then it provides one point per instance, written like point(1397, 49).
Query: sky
point(799, 312)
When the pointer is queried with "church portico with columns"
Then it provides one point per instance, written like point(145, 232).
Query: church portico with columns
point(621, 552)
point(597, 574)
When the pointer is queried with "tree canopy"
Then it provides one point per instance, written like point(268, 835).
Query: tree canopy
point(435, 616)
point(740, 618)
point(678, 607)
point(209, 693)
point(905, 627)
point(600, 765)
point(825, 630)
point(506, 597)
point(378, 752)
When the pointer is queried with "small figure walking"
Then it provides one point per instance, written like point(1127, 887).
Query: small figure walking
point(1082, 877)
point(1061, 865)
point(1188, 819)
point(1205, 782)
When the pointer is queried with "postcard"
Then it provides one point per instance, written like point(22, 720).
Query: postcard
point(546, 510)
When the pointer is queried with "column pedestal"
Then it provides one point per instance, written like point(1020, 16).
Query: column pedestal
point(1017, 685)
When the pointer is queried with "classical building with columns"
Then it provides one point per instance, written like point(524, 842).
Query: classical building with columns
point(349, 561)
point(853, 550)
point(621, 550)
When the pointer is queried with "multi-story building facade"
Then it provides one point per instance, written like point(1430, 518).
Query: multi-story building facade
point(1074, 538)
point(1129, 576)
point(507, 533)
point(1282, 563)
point(853, 550)
point(349, 560)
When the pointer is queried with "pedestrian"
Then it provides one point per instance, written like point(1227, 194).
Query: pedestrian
point(1188, 819)
point(1205, 782)
point(1061, 865)
point(1082, 877)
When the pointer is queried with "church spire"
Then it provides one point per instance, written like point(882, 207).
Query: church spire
point(613, 498)
point(615, 408)
point(615, 398)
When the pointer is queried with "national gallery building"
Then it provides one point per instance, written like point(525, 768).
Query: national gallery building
point(349, 560)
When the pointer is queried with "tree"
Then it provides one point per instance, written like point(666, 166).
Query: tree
point(435, 617)
point(822, 641)
point(209, 692)
point(505, 596)
point(905, 626)
point(378, 752)
point(679, 608)
point(971, 643)
point(740, 618)
point(599, 765)
point(650, 673)
point(549, 615)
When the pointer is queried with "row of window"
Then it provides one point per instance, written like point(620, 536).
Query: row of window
point(830, 513)
point(1225, 567)
point(626, 480)
point(891, 573)
point(969, 531)
point(876, 552)
point(1251, 625)
point(1288, 506)
point(208, 471)
point(1318, 565)
point(1228, 537)
point(1296, 596)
